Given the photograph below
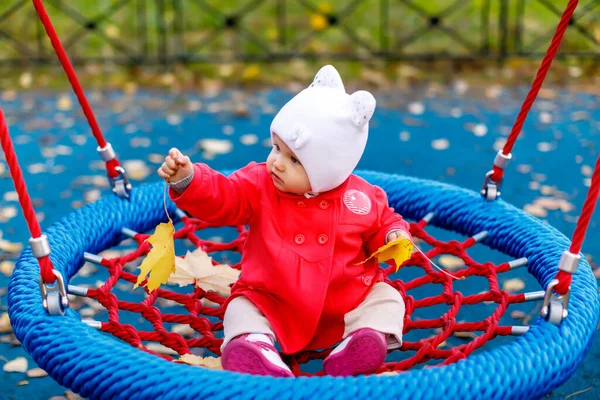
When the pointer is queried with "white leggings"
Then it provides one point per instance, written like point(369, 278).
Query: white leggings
point(382, 310)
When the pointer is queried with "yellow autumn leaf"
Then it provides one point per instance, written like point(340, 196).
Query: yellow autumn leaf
point(207, 362)
point(318, 22)
point(159, 264)
point(398, 250)
point(251, 72)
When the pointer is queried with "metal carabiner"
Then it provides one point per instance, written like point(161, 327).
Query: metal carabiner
point(490, 190)
point(54, 299)
point(120, 185)
point(554, 309)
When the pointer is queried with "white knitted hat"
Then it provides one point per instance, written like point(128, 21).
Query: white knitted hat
point(326, 128)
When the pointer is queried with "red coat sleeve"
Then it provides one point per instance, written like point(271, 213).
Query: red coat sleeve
point(387, 221)
point(212, 197)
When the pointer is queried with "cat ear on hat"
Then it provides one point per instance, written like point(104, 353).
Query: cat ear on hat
point(362, 105)
point(299, 137)
point(328, 77)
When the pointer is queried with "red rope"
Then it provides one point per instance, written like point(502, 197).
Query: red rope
point(68, 68)
point(24, 199)
point(200, 305)
point(564, 278)
point(536, 86)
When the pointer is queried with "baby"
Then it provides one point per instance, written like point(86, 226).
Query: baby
point(311, 223)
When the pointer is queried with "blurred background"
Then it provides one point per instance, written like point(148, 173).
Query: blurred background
point(208, 77)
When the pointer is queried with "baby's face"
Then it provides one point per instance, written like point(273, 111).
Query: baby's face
point(286, 171)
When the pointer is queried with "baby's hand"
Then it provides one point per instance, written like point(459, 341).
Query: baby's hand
point(397, 235)
point(176, 166)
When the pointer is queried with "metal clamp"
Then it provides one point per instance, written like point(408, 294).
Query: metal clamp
point(120, 185)
point(569, 262)
point(106, 153)
point(554, 309)
point(490, 190)
point(40, 246)
point(54, 298)
point(501, 161)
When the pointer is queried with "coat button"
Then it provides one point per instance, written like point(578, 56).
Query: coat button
point(323, 204)
point(299, 239)
point(322, 239)
point(301, 204)
point(367, 280)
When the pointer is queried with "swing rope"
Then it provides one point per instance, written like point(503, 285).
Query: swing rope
point(503, 157)
point(570, 260)
point(113, 167)
point(564, 276)
point(16, 173)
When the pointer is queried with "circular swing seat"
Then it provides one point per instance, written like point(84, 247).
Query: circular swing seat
point(98, 365)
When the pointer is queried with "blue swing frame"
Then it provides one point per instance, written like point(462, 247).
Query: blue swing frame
point(100, 366)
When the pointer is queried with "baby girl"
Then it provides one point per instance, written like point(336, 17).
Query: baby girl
point(311, 224)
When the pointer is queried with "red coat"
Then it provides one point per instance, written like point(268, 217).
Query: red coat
point(298, 264)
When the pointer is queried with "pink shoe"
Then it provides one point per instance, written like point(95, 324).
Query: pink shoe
point(360, 353)
point(250, 354)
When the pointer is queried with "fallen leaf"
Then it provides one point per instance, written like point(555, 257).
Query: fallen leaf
point(518, 314)
point(140, 142)
point(197, 269)
point(513, 285)
point(7, 267)
point(480, 130)
point(156, 158)
point(440, 144)
point(174, 119)
point(92, 195)
point(160, 349)
point(249, 139)
point(183, 329)
point(215, 146)
point(136, 169)
point(25, 79)
point(159, 264)
point(416, 108)
point(451, 262)
point(398, 250)
point(64, 102)
point(19, 364)
point(207, 362)
point(388, 373)
point(5, 326)
point(72, 396)
point(87, 313)
point(465, 335)
point(535, 210)
point(7, 213)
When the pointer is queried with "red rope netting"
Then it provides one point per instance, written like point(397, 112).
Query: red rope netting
point(198, 311)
